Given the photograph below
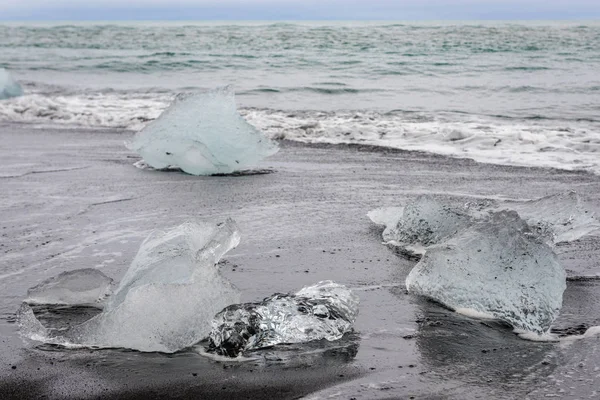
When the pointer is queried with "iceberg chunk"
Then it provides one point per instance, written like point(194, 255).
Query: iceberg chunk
point(80, 287)
point(203, 134)
point(8, 86)
point(562, 217)
point(326, 310)
point(166, 300)
point(485, 262)
point(495, 267)
point(420, 223)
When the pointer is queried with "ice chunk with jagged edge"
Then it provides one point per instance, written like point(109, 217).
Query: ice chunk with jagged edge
point(326, 310)
point(562, 217)
point(8, 86)
point(420, 223)
point(79, 287)
point(498, 267)
point(166, 300)
point(203, 134)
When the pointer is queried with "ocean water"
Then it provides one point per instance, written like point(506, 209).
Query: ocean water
point(509, 93)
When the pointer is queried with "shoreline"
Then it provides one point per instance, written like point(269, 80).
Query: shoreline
point(374, 148)
point(304, 223)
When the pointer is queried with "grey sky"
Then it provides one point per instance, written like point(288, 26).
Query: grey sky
point(297, 10)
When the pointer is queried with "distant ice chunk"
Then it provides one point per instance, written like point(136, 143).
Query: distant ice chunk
point(167, 298)
point(497, 266)
point(79, 287)
point(203, 134)
point(562, 217)
point(326, 310)
point(8, 86)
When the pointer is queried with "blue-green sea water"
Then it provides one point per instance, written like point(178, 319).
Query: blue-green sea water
point(510, 93)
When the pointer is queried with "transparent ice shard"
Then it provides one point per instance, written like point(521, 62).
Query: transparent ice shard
point(79, 287)
point(166, 300)
point(497, 267)
point(203, 134)
point(481, 261)
point(562, 217)
point(8, 86)
point(326, 310)
point(420, 223)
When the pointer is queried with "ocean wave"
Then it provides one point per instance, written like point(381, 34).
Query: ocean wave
point(534, 142)
point(114, 110)
point(337, 90)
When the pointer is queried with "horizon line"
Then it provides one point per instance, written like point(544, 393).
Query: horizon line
point(597, 19)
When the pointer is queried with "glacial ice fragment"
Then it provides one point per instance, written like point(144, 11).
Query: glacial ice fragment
point(487, 262)
point(495, 267)
point(166, 300)
point(8, 86)
point(203, 134)
point(79, 287)
point(420, 223)
point(562, 217)
point(326, 310)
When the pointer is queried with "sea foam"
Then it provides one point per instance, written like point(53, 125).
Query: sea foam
point(564, 144)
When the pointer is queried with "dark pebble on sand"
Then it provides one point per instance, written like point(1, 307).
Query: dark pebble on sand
point(194, 374)
point(411, 366)
point(14, 367)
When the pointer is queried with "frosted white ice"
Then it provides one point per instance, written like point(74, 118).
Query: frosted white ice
point(83, 286)
point(203, 134)
point(165, 301)
point(495, 266)
point(326, 310)
point(8, 86)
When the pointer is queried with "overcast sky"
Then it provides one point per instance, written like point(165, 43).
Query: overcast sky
point(298, 9)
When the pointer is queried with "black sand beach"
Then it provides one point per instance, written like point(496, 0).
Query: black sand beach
point(72, 199)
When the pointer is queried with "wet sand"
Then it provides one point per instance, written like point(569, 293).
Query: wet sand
point(72, 199)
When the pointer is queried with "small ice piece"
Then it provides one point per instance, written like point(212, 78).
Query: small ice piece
point(8, 86)
point(203, 134)
point(326, 310)
point(497, 267)
point(421, 223)
point(562, 217)
point(166, 300)
point(79, 287)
